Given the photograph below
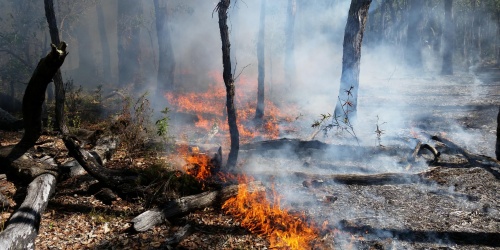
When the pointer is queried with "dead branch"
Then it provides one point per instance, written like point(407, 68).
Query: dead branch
point(22, 227)
point(471, 158)
point(368, 179)
point(188, 204)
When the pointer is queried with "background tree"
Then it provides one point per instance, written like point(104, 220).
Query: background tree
point(413, 50)
point(290, 43)
point(448, 38)
point(103, 35)
point(259, 112)
point(222, 8)
point(129, 18)
point(349, 80)
point(60, 123)
point(166, 63)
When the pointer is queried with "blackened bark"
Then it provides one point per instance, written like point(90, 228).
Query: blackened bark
point(259, 112)
point(290, 43)
point(497, 150)
point(349, 81)
point(448, 37)
point(413, 53)
point(166, 63)
point(106, 56)
point(128, 41)
point(222, 8)
point(60, 123)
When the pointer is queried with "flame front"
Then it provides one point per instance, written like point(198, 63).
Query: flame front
point(256, 213)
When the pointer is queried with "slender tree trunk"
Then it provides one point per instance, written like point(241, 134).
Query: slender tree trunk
point(128, 41)
point(222, 8)
point(290, 44)
point(86, 63)
point(497, 150)
point(349, 81)
point(259, 112)
point(166, 63)
point(448, 35)
point(60, 123)
point(413, 55)
point(106, 56)
point(498, 38)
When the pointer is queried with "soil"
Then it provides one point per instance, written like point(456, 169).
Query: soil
point(458, 207)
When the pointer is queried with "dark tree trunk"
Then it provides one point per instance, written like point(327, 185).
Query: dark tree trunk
point(60, 123)
point(413, 53)
point(106, 57)
point(222, 8)
point(86, 63)
point(349, 81)
point(448, 37)
point(166, 63)
point(128, 41)
point(259, 112)
point(497, 38)
point(290, 44)
point(497, 150)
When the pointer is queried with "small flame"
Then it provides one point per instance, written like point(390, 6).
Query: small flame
point(197, 164)
point(256, 213)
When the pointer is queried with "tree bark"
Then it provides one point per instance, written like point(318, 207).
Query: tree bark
point(222, 8)
point(128, 41)
point(60, 121)
point(413, 53)
point(188, 204)
point(22, 227)
point(259, 112)
point(497, 150)
point(349, 81)
point(166, 63)
point(290, 44)
point(448, 35)
point(103, 36)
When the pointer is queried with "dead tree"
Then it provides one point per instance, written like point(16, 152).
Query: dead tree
point(413, 53)
point(103, 36)
point(259, 112)
point(60, 123)
point(349, 81)
point(128, 41)
point(497, 150)
point(222, 8)
point(166, 63)
point(448, 37)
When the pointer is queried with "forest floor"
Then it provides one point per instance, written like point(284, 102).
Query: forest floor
point(457, 207)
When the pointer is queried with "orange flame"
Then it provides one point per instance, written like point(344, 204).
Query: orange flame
point(284, 229)
point(210, 109)
point(197, 164)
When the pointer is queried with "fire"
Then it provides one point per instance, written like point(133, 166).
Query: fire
point(284, 229)
point(209, 107)
point(197, 164)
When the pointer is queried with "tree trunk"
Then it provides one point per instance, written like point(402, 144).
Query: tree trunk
point(259, 112)
point(497, 150)
point(128, 41)
point(290, 44)
point(222, 8)
point(60, 123)
point(448, 35)
point(106, 57)
point(413, 53)
point(166, 63)
point(349, 80)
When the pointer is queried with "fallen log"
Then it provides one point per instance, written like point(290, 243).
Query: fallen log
point(188, 204)
point(22, 227)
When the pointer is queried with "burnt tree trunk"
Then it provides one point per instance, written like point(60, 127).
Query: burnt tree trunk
point(128, 41)
point(106, 57)
point(222, 8)
point(349, 80)
point(413, 53)
point(497, 150)
point(290, 43)
point(60, 123)
point(448, 37)
point(259, 112)
point(166, 63)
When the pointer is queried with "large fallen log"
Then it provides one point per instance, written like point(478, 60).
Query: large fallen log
point(22, 227)
point(188, 204)
point(365, 179)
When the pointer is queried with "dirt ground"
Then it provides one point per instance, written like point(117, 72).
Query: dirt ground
point(457, 207)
